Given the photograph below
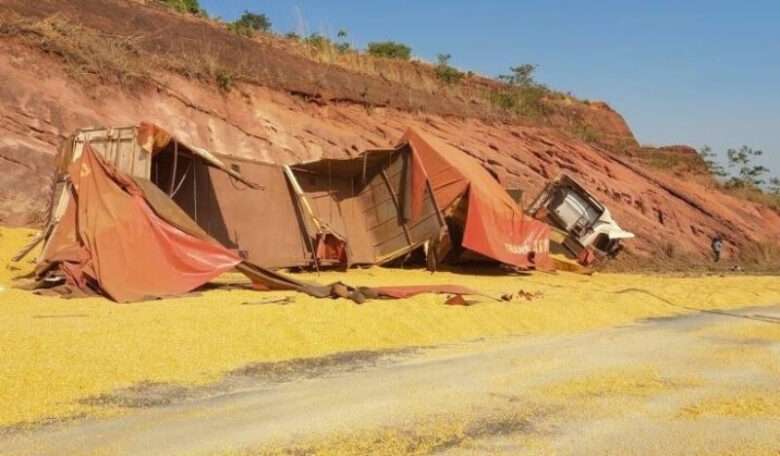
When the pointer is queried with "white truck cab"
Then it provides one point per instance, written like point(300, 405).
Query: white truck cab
point(587, 223)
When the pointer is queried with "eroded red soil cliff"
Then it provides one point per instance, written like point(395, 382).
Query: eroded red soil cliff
point(294, 109)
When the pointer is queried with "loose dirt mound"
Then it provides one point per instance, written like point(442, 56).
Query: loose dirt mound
point(279, 106)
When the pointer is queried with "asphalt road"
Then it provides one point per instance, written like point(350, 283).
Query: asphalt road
point(704, 383)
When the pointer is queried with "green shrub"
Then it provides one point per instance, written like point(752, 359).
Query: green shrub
point(524, 101)
point(342, 45)
point(532, 100)
point(184, 6)
point(504, 99)
point(586, 133)
point(445, 72)
point(316, 41)
point(522, 95)
point(224, 79)
point(249, 23)
point(390, 50)
point(324, 44)
point(521, 76)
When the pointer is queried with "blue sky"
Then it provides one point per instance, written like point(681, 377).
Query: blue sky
point(681, 72)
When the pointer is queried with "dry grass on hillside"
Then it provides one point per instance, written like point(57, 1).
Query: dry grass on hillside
point(754, 195)
point(751, 258)
point(90, 57)
point(87, 55)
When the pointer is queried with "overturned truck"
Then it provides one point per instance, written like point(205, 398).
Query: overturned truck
point(138, 206)
point(583, 227)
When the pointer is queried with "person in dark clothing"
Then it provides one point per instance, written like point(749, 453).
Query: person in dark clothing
point(716, 246)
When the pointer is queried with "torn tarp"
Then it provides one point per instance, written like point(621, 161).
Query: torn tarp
point(110, 240)
point(492, 223)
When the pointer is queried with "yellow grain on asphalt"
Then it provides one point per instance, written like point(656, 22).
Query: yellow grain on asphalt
point(55, 352)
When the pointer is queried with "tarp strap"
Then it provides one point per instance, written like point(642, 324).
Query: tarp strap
point(183, 178)
point(365, 168)
point(175, 164)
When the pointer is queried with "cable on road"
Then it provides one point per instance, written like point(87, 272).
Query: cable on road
point(761, 318)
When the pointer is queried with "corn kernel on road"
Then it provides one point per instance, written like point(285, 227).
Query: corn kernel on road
point(56, 352)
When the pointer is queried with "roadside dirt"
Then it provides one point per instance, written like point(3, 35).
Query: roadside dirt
point(698, 384)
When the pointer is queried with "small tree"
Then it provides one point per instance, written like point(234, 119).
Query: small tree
point(249, 23)
point(390, 50)
point(774, 186)
point(443, 59)
point(524, 96)
point(710, 161)
point(445, 72)
point(749, 175)
point(522, 75)
point(342, 45)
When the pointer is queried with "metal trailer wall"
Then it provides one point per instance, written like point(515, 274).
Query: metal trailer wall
point(364, 200)
point(251, 207)
point(262, 223)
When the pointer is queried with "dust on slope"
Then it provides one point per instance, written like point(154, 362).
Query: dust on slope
point(57, 353)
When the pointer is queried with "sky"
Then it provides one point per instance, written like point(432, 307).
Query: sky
point(689, 72)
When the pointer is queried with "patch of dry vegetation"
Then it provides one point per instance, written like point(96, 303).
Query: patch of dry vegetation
point(93, 57)
point(90, 57)
point(760, 256)
point(757, 257)
point(754, 195)
point(671, 160)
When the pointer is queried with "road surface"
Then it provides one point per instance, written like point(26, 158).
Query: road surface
point(704, 383)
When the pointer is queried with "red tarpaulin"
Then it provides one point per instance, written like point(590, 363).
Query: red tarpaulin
point(111, 238)
point(495, 226)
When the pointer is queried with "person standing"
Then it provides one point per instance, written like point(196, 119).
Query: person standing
point(716, 246)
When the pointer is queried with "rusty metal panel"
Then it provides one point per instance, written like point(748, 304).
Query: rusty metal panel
point(261, 223)
point(117, 146)
point(362, 199)
point(382, 202)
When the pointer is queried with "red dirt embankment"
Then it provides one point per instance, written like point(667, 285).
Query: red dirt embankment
point(285, 107)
